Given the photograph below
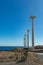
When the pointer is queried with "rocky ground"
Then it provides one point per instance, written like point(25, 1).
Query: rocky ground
point(9, 58)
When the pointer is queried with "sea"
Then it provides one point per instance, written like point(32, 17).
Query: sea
point(4, 48)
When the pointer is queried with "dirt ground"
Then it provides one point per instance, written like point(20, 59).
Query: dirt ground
point(8, 58)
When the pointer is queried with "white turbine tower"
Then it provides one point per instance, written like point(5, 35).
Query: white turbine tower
point(24, 40)
point(32, 18)
point(28, 39)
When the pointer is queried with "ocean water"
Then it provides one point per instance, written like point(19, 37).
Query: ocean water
point(9, 47)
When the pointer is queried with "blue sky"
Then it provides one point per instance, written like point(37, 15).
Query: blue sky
point(14, 20)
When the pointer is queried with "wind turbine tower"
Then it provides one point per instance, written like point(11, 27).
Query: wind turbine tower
point(28, 39)
point(24, 40)
point(32, 18)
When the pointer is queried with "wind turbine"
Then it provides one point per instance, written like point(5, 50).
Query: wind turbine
point(28, 39)
point(24, 40)
point(32, 18)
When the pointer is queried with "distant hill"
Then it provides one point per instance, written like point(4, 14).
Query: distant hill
point(39, 47)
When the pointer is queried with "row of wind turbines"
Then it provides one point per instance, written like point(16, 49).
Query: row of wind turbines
point(26, 35)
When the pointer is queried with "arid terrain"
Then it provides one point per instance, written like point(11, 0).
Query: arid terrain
point(10, 58)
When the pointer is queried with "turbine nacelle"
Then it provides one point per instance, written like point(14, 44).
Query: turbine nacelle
point(32, 17)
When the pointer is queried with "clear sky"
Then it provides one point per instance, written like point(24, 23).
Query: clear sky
point(14, 20)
